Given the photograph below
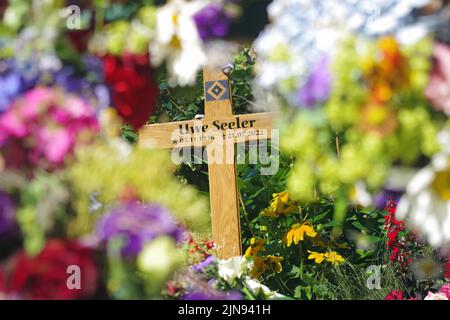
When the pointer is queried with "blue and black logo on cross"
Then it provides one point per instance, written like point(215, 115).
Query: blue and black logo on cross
point(217, 90)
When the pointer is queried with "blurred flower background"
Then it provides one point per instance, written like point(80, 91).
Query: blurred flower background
point(362, 89)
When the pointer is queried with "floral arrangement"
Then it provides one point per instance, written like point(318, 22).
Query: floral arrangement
point(362, 193)
point(442, 294)
point(365, 89)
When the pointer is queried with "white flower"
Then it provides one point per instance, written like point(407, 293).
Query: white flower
point(257, 288)
point(426, 204)
point(301, 31)
point(178, 42)
point(436, 296)
point(232, 269)
point(360, 195)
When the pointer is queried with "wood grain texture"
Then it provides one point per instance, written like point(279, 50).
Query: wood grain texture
point(163, 135)
point(225, 217)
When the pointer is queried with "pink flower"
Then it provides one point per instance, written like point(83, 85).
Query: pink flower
point(446, 290)
point(11, 125)
point(436, 296)
point(438, 90)
point(42, 128)
point(55, 144)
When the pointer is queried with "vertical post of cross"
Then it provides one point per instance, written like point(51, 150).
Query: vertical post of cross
point(225, 218)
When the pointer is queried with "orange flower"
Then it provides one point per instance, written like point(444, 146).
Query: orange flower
point(378, 118)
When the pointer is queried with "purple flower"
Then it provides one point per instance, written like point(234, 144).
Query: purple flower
point(382, 198)
point(13, 82)
point(7, 214)
point(212, 21)
point(199, 295)
point(318, 87)
point(199, 267)
point(138, 224)
point(10, 86)
point(90, 88)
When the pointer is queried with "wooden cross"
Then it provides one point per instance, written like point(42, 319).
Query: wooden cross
point(218, 124)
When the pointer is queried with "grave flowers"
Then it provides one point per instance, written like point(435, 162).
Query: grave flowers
point(361, 90)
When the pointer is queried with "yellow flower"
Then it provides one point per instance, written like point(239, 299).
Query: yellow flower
point(269, 213)
point(316, 256)
point(256, 245)
point(263, 264)
point(297, 233)
point(334, 258)
point(280, 205)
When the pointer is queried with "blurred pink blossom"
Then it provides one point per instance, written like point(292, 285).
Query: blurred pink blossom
point(446, 290)
point(42, 127)
point(438, 90)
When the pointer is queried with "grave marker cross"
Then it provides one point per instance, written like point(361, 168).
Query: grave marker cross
point(219, 118)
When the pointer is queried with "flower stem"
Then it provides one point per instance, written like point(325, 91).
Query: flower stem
point(247, 221)
point(338, 148)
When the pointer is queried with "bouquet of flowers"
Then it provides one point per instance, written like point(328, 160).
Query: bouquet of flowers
point(363, 85)
point(363, 93)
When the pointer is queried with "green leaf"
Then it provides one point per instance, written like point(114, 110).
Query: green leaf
point(308, 291)
point(358, 225)
point(295, 271)
point(298, 292)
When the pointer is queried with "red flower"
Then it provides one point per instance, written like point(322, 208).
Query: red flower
point(133, 91)
point(2, 281)
point(210, 244)
point(447, 269)
point(79, 39)
point(45, 275)
point(396, 230)
point(395, 295)
point(395, 254)
point(172, 289)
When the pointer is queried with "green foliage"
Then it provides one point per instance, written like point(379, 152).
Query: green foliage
point(255, 189)
point(305, 279)
point(350, 283)
point(122, 11)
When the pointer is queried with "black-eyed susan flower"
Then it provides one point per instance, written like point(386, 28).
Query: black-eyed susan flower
point(280, 205)
point(334, 258)
point(256, 245)
point(316, 256)
point(297, 233)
